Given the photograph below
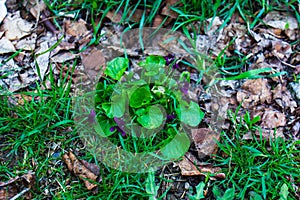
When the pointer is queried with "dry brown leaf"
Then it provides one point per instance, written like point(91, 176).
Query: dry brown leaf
point(80, 170)
point(95, 169)
point(76, 29)
point(20, 98)
point(254, 92)
point(27, 43)
point(284, 98)
point(12, 81)
point(167, 11)
point(284, 21)
point(212, 25)
point(281, 20)
point(190, 166)
point(157, 20)
point(37, 8)
point(137, 15)
point(15, 27)
point(6, 46)
point(63, 46)
point(63, 57)
point(114, 17)
point(94, 62)
point(3, 10)
point(273, 119)
point(205, 141)
point(281, 49)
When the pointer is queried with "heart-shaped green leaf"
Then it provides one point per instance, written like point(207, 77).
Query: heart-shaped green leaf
point(118, 104)
point(190, 115)
point(152, 64)
point(139, 96)
point(152, 119)
point(103, 128)
point(116, 68)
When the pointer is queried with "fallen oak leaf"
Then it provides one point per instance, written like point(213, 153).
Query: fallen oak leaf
point(254, 92)
point(190, 166)
point(79, 169)
point(94, 63)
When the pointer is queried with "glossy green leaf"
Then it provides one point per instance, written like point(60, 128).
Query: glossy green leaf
point(107, 109)
point(190, 115)
point(152, 64)
point(178, 146)
point(139, 96)
point(103, 128)
point(118, 105)
point(152, 119)
point(116, 68)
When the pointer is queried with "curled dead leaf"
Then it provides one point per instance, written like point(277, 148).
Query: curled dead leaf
point(273, 119)
point(80, 169)
point(94, 62)
point(167, 11)
point(190, 166)
point(158, 19)
point(76, 29)
point(283, 98)
point(284, 21)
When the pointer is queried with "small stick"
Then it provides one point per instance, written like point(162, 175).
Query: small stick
point(48, 24)
point(20, 194)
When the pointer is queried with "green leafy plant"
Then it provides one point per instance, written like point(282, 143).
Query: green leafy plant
point(144, 111)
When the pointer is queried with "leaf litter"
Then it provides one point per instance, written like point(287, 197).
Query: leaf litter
point(275, 99)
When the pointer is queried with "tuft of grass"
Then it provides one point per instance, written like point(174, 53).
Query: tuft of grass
point(258, 166)
point(36, 133)
point(189, 11)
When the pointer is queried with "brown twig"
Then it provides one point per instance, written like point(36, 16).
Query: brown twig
point(48, 24)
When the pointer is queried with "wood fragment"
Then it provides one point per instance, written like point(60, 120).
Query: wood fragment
point(48, 24)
